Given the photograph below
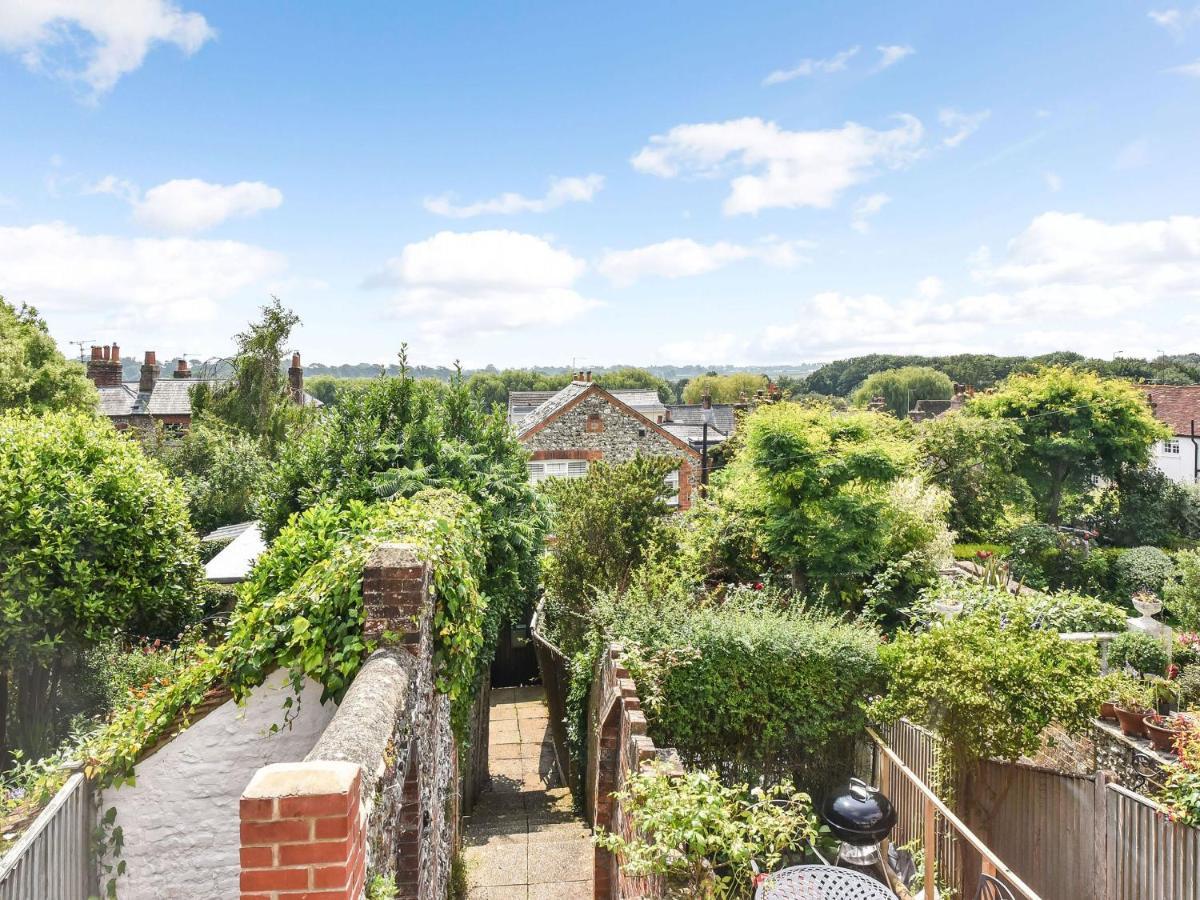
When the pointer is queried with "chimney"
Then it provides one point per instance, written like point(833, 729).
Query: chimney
point(182, 370)
point(104, 368)
point(588, 376)
point(296, 380)
point(706, 411)
point(150, 372)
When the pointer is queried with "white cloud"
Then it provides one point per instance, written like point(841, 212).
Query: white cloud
point(1190, 69)
point(806, 67)
point(779, 168)
point(931, 287)
point(683, 257)
point(1133, 155)
point(866, 209)
point(189, 204)
point(560, 192)
point(55, 267)
point(1053, 181)
point(1175, 20)
point(96, 43)
point(890, 54)
point(479, 282)
point(960, 124)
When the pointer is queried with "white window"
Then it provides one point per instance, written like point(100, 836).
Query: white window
point(672, 481)
point(1170, 446)
point(556, 468)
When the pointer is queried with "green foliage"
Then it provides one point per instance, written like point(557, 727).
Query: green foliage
point(1143, 653)
point(989, 686)
point(974, 459)
point(1182, 592)
point(971, 552)
point(491, 389)
point(1142, 569)
point(34, 376)
point(1045, 558)
point(704, 836)
point(902, 388)
point(1063, 611)
point(219, 467)
point(328, 388)
point(382, 887)
point(818, 482)
point(631, 378)
point(396, 437)
point(1181, 793)
point(1073, 425)
point(256, 399)
point(1144, 506)
point(724, 388)
point(95, 540)
point(604, 524)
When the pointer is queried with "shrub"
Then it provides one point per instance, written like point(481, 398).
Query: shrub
point(1063, 611)
point(1144, 506)
point(95, 541)
point(989, 686)
point(1141, 652)
point(1181, 792)
point(1044, 558)
point(971, 552)
point(1182, 592)
point(1142, 569)
point(902, 388)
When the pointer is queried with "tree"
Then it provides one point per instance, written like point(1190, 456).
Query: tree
point(256, 398)
point(820, 483)
point(95, 541)
point(724, 388)
point(33, 374)
point(631, 378)
point(491, 388)
point(902, 388)
point(1074, 425)
point(974, 459)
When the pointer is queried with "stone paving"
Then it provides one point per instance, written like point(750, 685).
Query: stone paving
point(524, 841)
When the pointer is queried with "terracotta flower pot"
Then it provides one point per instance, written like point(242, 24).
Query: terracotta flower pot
point(1132, 721)
point(1161, 737)
point(1108, 710)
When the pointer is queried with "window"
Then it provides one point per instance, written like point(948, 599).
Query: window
point(556, 468)
point(1170, 446)
point(672, 481)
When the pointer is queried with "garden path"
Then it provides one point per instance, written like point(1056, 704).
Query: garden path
point(523, 841)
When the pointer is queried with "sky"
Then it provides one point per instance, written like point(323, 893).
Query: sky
point(591, 184)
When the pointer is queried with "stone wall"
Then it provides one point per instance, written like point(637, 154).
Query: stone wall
point(392, 729)
point(598, 427)
point(617, 747)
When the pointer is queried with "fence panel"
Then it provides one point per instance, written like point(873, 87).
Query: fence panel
point(1149, 856)
point(52, 860)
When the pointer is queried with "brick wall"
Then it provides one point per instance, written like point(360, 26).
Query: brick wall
point(391, 743)
point(617, 747)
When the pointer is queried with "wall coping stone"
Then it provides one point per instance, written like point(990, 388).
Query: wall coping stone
point(306, 779)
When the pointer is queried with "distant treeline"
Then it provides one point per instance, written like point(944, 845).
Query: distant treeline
point(983, 370)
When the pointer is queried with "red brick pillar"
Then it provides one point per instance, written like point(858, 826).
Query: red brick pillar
point(396, 596)
point(302, 834)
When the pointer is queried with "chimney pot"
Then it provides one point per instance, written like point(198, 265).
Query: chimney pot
point(97, 353)
point(104, 350)
point(116, 353)
point(295, 360)
point(182, 370)
point(151, 358)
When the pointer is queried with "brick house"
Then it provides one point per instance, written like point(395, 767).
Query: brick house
point(1178, 407)
point(583, 422)
point(157, 400)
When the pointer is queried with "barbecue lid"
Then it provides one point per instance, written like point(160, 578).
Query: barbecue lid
point(859, 813)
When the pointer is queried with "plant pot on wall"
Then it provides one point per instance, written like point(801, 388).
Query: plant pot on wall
point(1161, 734)
point(1108, 710)
point(1132, 721)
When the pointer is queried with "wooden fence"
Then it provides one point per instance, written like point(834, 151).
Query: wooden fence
point(1068, 837)
point(52, 859)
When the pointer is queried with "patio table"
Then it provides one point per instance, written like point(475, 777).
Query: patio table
point(820, 883)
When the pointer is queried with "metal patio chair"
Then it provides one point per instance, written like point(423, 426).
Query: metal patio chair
point(992, 889)
point(820, 883)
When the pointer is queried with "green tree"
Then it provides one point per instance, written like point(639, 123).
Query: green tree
point(219, 467)
point(33, 374)
point(974, 459)
point(492, 388)
point(631, 378)
point(820, 481)
point(256, 398)
point(724, 388)
point(95, 541)
point(902, 388)
point(1074, 425)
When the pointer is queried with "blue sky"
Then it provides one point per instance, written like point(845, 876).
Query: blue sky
point(553, 183)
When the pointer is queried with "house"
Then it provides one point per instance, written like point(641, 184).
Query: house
point(1178, 407)
point(686, 422)
point(242, 545)
point(583, 423)
point(156, 400)
point(935, 409)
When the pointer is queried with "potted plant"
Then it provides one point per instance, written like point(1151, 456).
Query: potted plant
point(1110, 686)
point(1133, 701)
point(1164, 731)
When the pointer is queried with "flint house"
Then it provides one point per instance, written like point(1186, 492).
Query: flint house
point(582, 423)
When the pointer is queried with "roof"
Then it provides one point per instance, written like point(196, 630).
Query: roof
point(694, 434)
point(724, 415)
point(1175, 405)
point(227, 532)
point(118, 401)
point(549, 407)
point(233, 564)
point(170, 397)
point(522, 403)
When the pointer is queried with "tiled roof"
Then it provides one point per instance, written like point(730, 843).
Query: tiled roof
point(724, 415)
point(556, 402)
point(693, 434)
point(172, 396)
point(1176, 405)
point(118, 401)
point(226, 532)
point(522, 403)
point(234, 562)
point(639, 400)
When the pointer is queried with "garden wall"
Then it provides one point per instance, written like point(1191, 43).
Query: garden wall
point(180, 818)
point(617, 747)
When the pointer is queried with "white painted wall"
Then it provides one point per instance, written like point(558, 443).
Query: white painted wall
point(1179, 466)
point(180, 820)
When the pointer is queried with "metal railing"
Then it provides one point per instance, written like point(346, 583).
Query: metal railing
point(52, 859)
